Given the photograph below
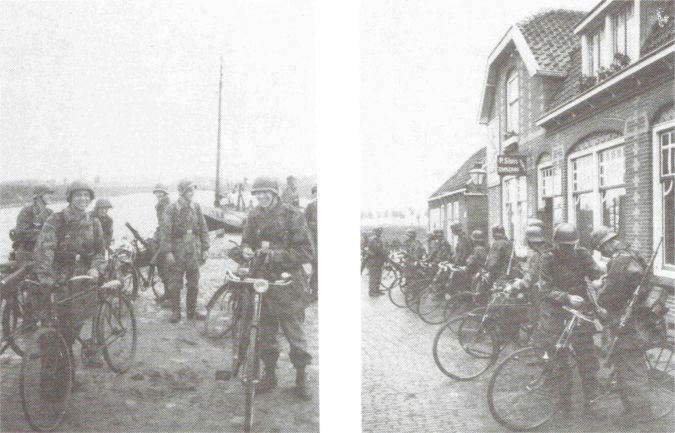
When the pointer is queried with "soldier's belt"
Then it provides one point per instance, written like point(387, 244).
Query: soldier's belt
point(186, 233)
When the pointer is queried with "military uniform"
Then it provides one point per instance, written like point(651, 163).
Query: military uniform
point(440, 250)
point(564, 274)
point(476, 260)
point(28, 225)
point(624, 273)
point(183, 233)
point(497, 262)
point(160, 207)
point(377, 255)
point(107, 226)
point(462, 250)
point(285, 228)
point(312, 223)
point(290, 196)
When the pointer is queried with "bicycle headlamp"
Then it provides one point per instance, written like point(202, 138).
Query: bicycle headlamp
point(261, 286)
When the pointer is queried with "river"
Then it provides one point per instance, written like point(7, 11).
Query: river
point(137, 209)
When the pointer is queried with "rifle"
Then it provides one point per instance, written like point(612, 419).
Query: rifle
point(623, 322)
point(137, 236)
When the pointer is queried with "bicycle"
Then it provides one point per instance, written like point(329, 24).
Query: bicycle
point(248, 287)
point(467, 346)
point(421, 276)
point(131, 260)
point(48, 368)
point(432, 306)
point(13, 293)
point(523, 392)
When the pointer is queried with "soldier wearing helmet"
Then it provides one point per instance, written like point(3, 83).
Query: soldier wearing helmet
point(280, 231)
point(440, 249)
point(625, 269)
point(100, 212)
point(564, 271)
point(29, 222)
point(463, 246)
point(537, 246)
point(312, 223)
point(70, 244)
point(184, 242)
point(290, 194)
point(376, 256)
point(476, 259)
point(413, 247)
point(161, 192)
point(499, 256)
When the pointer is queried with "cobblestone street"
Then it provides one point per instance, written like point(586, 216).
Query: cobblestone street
point(403, 390)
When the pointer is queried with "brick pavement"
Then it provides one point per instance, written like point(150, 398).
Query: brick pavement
point(403, 390)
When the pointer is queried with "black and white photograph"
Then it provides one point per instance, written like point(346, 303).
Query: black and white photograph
point(517, 216)
point(158, 217)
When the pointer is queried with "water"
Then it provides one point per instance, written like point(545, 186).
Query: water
point(136, 209)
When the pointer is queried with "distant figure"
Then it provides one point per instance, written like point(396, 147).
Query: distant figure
point(464, 246)
point(100, 212)
point(290, 194)
point(30, 222)
point(312, 223)
point(162, 194)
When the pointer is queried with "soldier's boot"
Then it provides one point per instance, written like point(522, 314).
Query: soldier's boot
point(191, 304)
point(175, 316)
point(269, 380)
point(302, 384)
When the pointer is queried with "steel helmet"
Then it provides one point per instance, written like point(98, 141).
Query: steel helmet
point(185, 185)
point(536, 222)
point(438, 232)
point(377, 230)
point(456, 226)
point(565, 234)
point(40, 190)
point(534, 234)
point(160, 187)
point(498, 228)
point(601, 235)
point(411, 232)
point(477, 236)
point(103, 203)
point(264, 183)
point(79, 185)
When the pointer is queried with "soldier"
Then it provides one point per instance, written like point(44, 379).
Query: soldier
point(564, 270)
point(30, 221)
point(413, 248)
point(100, 212)
point(284, 229)
point(290, 195)
point(476, 260)
point(497, 262)
point(376, 257)
point(184, 241)
point(625, 269)
point(463, 246)
point(365, 238)
point(440, 249)
point(312, 223)
point(161, 192)
point(71, 243)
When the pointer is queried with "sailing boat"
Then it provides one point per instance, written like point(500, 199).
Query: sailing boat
point(228, 216)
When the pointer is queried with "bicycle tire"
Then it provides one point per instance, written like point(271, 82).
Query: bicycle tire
point(110, 319)
point(11, 313)
point(130, 282)
point(524, 370)
point(219, 321)
point(46, 392)
point(390, 277)
point(414, 291)
point(459, 304)
point(153, 276)
point(397, 295)
point(431, 306)
point(661, 368)
point(251, 368)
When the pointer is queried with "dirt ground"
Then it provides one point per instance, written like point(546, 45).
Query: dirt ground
point(172, 386)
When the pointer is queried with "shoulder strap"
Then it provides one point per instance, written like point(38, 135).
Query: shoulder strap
point(61, 222)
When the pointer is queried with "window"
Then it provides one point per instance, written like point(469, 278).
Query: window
point(453, 217)
point(621, 23)
point(512, 106)
point(597, 190)
point(594, 52)
point(665, 197)
point(515, 211)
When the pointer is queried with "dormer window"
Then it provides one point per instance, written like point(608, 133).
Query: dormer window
point(621, 34)
point(594, 57)
point(512, 105)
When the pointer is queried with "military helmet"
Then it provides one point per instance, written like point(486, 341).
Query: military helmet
point(160, 187)
point(377, 230)
point(79, 185)
point(264, 183)
point(437, 232)
point(477, 236)
point(411, 232)
point(565, 234)
point(456, 226)
point(535, 222)
point(185, 185)
point(534, 234)
point(103, 203)
point(601, 235)
point(40, 190)
point(498, 228)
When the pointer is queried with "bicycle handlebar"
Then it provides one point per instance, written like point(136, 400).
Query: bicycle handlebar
point(229, 275)
point(578, 314)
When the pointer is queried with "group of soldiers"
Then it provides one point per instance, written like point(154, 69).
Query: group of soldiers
point(555, 274)
point(73, 242)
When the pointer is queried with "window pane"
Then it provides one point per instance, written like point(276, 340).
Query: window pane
point(668, 222)
point(613, 208)
point(582, 173)
point(584, 216)
point(611, 166)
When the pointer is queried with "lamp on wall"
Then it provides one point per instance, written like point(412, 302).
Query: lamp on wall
point(477, 174)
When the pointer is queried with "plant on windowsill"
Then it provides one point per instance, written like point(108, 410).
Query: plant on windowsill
point(586, 82)
point(510, 134)
point(622, 60)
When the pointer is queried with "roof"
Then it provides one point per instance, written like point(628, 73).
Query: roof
point(458, 180)
point(550, 36)
point(659, 35)
point(544, 42)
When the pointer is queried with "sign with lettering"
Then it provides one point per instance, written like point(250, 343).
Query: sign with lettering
point(511, 165)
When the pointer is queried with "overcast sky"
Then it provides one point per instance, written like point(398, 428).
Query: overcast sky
point(129, 90)
point(422, 68)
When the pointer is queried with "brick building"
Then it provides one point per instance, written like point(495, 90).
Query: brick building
point(588, 99)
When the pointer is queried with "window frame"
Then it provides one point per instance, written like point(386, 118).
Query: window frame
point(594, 52)
point(660, 269)
point(519, 198)
point(627, 14)
point(512, 75)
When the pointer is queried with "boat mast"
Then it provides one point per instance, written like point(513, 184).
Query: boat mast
point(216, 201)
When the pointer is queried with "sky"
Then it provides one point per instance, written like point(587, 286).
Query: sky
point(128, 91)
point(422, 69)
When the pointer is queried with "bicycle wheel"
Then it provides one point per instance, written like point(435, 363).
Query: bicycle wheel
point(459, 304)
point(219, 314)
point(397, 293)
point(116, 331)
point(130, 281)
point(661, 371)
point(523, 392)
point(46, 380)
point(431, 306)
point(250, 379)
point(390, 276)
point(14, 330)
point(414, 291)
point(153, 281)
